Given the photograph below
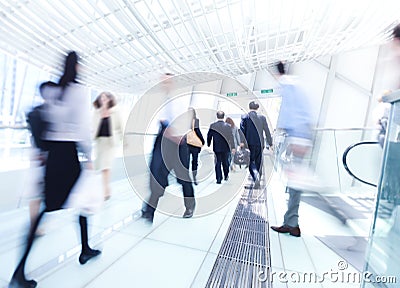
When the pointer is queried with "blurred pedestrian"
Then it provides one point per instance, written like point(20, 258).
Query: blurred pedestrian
point(236, 140)
point(170, 152)
point(253, 127)
point(381, 117)
point(68, 119)
point(107, 134)
point(221, 135)
point(195, 141)
point(296, 121)
point(37, 162)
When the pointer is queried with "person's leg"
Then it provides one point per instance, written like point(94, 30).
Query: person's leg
point(252, 166)
point(18, 279)
point(225, 164)
point(157, 191)
point(189, 200)
point(291, 217)
point(195, 159)
point(106, 183)
point(258, 164)
point(34, 207)
point(181, 169)
point(218, 162)
point(87, 253)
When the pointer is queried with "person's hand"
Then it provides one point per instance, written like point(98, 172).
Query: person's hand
point(89, 165)
point(233, 151)
point(241, 145)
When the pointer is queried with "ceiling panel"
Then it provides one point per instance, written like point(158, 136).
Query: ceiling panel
point(126, 44)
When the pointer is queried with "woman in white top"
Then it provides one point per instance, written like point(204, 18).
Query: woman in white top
point(67, 115)
point(107, 133)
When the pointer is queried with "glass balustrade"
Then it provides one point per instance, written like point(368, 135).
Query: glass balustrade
point(383, 255)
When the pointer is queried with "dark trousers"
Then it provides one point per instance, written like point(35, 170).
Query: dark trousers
point(221, 159)
point(168, 156)
point(62, 172)
point(255, 161)
point(194, 152)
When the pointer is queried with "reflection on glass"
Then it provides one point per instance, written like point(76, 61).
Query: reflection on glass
point(383, 256)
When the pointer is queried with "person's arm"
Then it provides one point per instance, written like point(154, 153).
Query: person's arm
point(236, 137)
point(243, 127)
point(81, 102)
point(209, 136)
point(119, 127)
point(197, 131)
point(229, 134)
point(266, 131)
point(95, 124)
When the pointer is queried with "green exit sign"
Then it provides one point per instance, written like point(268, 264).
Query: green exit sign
point(231, 94)
point(265, 91)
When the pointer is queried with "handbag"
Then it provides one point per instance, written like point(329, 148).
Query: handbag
point(192, 138)
point(86, 195)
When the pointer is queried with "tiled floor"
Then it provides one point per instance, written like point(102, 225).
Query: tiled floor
point(173, 252)
point(298, 256)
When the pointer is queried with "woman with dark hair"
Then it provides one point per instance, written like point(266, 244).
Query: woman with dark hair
point(68, 120)
point(236, 140)
point(107, 132)
point(195, 146)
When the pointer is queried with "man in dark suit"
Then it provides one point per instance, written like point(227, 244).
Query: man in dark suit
point(253, 126)
point(221, 134)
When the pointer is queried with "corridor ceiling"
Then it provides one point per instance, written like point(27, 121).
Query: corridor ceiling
point(127, 44)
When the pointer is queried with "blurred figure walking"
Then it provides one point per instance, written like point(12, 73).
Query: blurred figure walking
point(38, 159)
point(253, 127)
point(170, 152)
point(295, 119)
point(69, 127)
point(194, 141)
point(236, 141)
point(107, 133)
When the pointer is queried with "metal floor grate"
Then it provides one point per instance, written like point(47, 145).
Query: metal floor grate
point(244, 253)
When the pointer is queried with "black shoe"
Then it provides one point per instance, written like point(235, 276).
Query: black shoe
point(148, 216)
point(87, 255)
point(188, 213)
point(218, 182)
point(22, 283)
point(293, 231)
point(226, 178)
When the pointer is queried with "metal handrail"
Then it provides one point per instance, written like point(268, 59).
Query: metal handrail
point(346, 129)
point(344, 160)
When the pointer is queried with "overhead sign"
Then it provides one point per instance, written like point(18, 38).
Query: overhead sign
point(265, 91)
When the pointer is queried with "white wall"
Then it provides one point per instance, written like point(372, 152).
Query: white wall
point(342, 87)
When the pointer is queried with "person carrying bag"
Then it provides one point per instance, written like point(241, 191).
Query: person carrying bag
point(194, 140)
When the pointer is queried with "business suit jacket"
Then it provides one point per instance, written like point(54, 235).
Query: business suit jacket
point(252, 127)
point(221, 134)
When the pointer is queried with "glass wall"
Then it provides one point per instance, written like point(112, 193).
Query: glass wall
point(383, 255)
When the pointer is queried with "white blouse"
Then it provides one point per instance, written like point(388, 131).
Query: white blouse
point(69, 116)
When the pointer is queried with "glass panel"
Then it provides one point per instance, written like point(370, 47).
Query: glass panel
point(364, 160)
point(383, 253)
